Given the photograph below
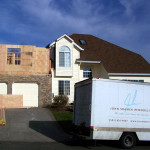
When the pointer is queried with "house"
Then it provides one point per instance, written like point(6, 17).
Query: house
point(80, 56)
point(31, 76)
point(25, 79)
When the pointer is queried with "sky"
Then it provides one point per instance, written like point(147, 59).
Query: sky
point(125, 23)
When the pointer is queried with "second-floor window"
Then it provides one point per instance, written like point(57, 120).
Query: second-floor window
point(64, 57)
point(14, 56)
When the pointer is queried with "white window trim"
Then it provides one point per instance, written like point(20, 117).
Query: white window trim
point(88, 71)
point(64, 87)
point(64, 61)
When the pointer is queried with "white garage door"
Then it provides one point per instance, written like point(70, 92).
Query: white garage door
point(29, 92)
point(3, 88)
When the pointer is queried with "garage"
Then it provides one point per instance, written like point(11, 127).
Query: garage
point(3, 88)
point(30, 92)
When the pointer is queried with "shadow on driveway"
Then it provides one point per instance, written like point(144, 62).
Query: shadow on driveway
point(50, 129)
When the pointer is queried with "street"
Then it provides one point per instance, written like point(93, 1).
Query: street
point(36, 129)
point(101, 145)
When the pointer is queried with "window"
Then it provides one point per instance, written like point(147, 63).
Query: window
point(87, 72)
point(83, 42)
point(14, 56)
point(64, 87)
point(64, 57)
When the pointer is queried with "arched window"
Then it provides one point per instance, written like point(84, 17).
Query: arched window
point(64, 57)
point(87, 72)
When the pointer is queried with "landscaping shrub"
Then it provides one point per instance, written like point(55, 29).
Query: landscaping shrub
point(61, 100)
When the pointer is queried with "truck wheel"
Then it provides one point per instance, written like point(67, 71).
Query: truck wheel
point(128, 140)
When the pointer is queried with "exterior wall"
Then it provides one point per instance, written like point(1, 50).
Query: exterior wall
point(34, 60)
point(75, 72)
point(64, 71)
point(98, 71)
point(11, 101)
point(145, 78)
point(42, 61)
point(44, 82)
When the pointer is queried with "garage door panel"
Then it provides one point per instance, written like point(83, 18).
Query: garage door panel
point(29, 103)
point(3, 88)
point(29, 92)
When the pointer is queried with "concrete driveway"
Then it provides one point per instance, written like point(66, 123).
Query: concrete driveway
point(31, 125)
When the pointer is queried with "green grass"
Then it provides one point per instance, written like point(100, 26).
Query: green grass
point(64, 119)
point(62, 116)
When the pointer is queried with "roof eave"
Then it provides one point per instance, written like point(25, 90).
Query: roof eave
point(50, 45)
point(78, 46)
point(91, 62)
point(65, 35)
point(129, 74)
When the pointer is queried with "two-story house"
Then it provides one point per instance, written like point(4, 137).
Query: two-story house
point(24, 70)
point(78, 57)
point(30, 76)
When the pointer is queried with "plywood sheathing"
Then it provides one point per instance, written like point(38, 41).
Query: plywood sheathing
point(11, 101)
point(34, 61)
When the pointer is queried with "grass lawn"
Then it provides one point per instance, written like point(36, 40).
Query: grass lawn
point(64, 118)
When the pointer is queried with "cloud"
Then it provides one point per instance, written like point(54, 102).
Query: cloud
point(125, 23)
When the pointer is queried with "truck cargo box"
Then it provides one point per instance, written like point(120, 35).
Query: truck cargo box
point(113, 110)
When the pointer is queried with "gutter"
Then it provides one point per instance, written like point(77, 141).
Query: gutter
point(90, 62)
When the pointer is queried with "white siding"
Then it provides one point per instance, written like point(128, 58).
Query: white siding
point(98, 71)
point(75, 72)
point(63, 73)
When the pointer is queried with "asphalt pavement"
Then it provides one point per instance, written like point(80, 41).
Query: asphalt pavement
point(37, 129)
point(101, 145)
point(31, 125)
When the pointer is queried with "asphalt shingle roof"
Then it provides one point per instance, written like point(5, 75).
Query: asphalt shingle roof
point(114, 58)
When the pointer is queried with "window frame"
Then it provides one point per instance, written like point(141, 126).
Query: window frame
point(14, 56)
point(82, 42)
point(65, 85)
point(87, 73)
point(64, 56)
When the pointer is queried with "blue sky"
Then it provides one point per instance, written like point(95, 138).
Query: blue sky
point(38, 22)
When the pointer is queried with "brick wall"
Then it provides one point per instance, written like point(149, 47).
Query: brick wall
point(44, 82)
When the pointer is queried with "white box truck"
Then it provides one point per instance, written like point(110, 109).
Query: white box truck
point(106, 109)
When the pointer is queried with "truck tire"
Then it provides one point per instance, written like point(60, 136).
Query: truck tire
point(128, 140)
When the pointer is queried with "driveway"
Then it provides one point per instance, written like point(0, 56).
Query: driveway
point(31, 125)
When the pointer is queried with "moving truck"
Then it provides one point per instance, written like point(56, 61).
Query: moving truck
point(106, 109)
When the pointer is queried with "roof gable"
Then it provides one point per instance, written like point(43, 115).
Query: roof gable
point(67, 37)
